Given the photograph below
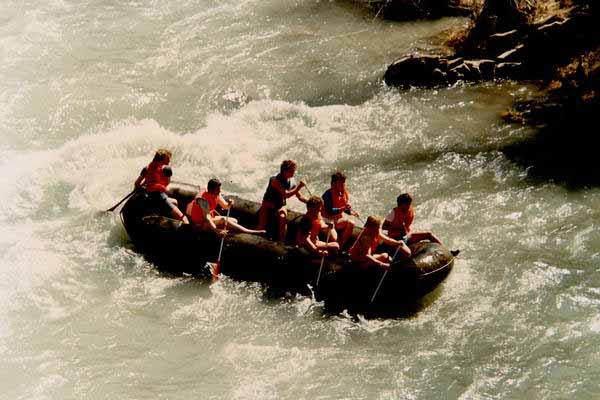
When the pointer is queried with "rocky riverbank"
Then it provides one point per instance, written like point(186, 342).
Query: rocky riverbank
point(554, 44)
point(525, 51)
point(402, 10)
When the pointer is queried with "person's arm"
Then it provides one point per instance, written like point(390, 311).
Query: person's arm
point(287, 193)
point(301, 197)
point(377, 262)
point(213, 227)
point(329, 229)
point(387, 223)
point(348, 210)
point(308, 243)
point(177, 214)
point(138, 182)
point(403, 250)
point(140, 179)
point(224, 203)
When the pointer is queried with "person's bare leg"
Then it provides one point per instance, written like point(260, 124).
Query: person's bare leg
point(416, 237)
point(219, 220)
point(282, 224)
point(234, 226)
point(332, 247)
point(345, 226)
point(383, 257)
point(263, 217)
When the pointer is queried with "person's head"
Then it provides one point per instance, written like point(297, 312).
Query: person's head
point(162, 155)
point(214, 186)
point(167, 172)
point(373, 223)
point(404, 201)
point(288, 168)
point(314, 205)
point(338, 180)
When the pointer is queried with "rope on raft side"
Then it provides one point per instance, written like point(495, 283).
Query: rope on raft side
point(440, 268)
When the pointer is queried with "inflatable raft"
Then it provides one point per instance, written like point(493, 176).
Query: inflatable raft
point(179, 248)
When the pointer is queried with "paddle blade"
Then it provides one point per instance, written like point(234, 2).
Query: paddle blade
point(215, 271)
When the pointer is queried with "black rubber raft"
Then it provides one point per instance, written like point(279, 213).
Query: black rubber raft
point(179, 248)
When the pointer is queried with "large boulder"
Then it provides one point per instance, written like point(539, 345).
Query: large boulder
point(417, 71)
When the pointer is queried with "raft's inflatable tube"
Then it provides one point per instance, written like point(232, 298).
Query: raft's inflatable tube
point(179, 248)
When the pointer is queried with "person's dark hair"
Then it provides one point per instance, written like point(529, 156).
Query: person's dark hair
point(214, 183)
point(338, 176)
point(404, 198)
point(287, 165)
point(161, 155)
point(313, 202)
point(167, 171)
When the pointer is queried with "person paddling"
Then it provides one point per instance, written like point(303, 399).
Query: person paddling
point(203, 214)
point(336, 205)
point(399, 221)
point(154, 179)
point(311, 225)
point(363, 253)
point(280, 188)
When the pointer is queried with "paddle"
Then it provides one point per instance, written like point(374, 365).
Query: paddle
point(384, 274)
point(218, 264)
point(122, 200)
point(323, 258)
point(360, 219)
point(308, 190)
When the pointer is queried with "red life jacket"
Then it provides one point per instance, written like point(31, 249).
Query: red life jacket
point(196, 213)
point(315, 228)
point(155, 179)
point(397, 229)
point(355, 249)
point(338, 200)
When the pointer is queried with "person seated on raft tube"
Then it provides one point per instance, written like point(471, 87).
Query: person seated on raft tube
point(336, 204)
point(154, 179)
point(311, 225)
point(399, 220)
point(203, 214)
point(363, 253)
point(280, 188)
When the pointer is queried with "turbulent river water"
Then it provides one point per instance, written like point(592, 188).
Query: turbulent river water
point(89, 89)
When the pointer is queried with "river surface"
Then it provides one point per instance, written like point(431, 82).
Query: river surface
point(89, 89)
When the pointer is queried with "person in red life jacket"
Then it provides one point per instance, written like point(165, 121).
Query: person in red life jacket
point(363, 253)
point(336, 205)
point(280, 188)
point(399, 220)
point(311, 225)
point(202, 211)
point(154, 179)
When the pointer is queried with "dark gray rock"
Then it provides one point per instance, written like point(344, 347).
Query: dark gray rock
point(501, 42)
point(484, 68)
point(454, 62)
point(509, 70)
point(416, 71)
point(516, 54)
point(461, 72)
